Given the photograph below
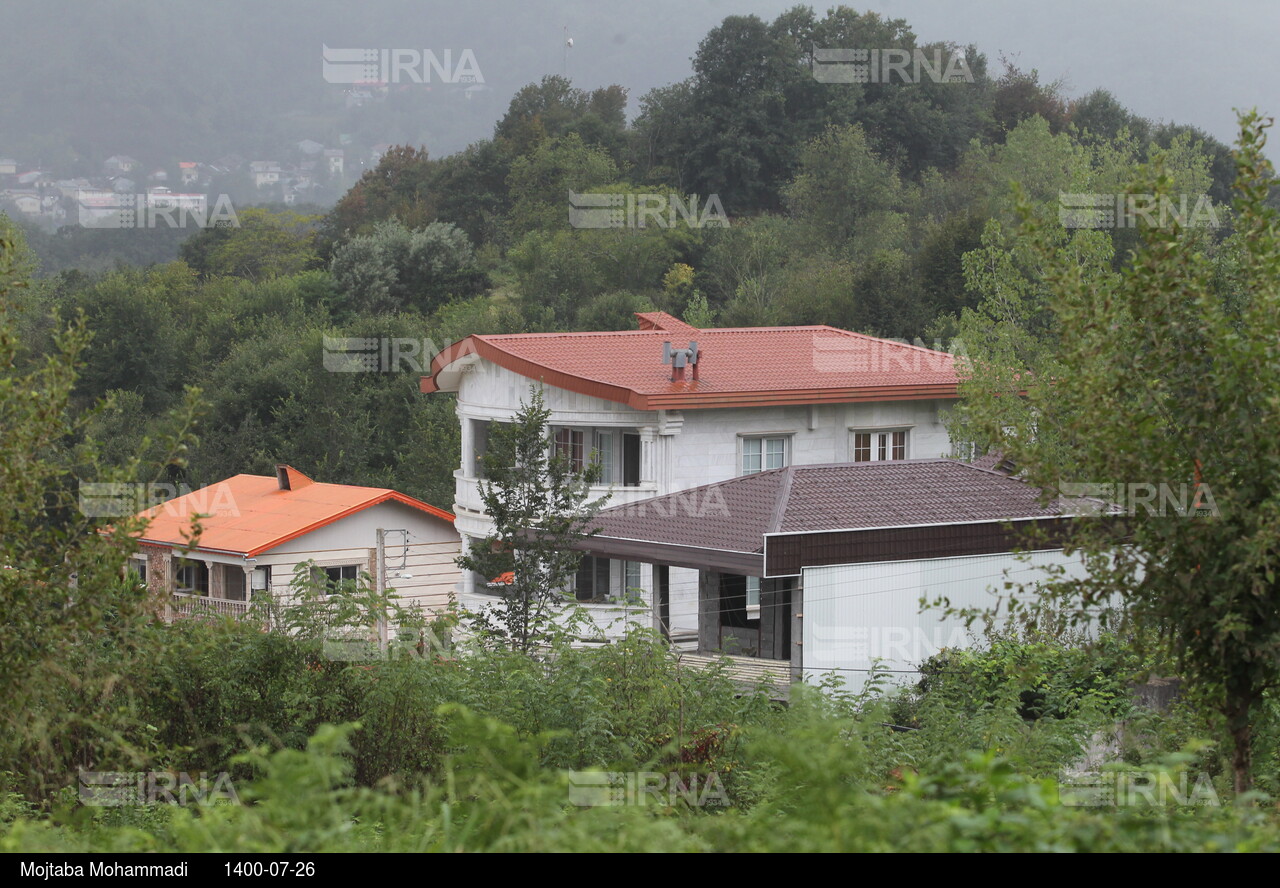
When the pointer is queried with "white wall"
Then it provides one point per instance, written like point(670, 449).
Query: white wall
point(684, 449)
point(433, 546)
point(855, 613)
point(606, 621)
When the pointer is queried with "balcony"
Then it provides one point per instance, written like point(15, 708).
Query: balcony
point(188, 606)
point(467, 493)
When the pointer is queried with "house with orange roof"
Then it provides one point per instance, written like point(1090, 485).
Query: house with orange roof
point(668, 407)
point(215, 548)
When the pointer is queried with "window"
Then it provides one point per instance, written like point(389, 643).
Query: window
point(335, 577)
point(762, 454)
point(631, 580)
point(604, 456)
point(233, 582)
point(479, 446)
point(191, 577)
point(138, 567)
point(570, 446)
point(615, 451)
point(753, 595)
point(592, 580)
point(877, 446)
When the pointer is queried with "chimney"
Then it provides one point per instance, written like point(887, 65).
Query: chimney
point(289, 478)
point(679, 358)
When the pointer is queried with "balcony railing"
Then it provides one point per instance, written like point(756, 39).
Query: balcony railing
point(467, 492)
point(188, 606)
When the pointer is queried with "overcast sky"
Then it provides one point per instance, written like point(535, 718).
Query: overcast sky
point(1184, 60)
point(203, 66)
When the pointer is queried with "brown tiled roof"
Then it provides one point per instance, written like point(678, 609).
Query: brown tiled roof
point(735, 515)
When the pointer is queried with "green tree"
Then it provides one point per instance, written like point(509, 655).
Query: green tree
point(395, 268)
point(62, 580)
point(1161, 378)
point(398, 187)
point(847, 194)
point(264, 244)
point(540, 182)
point(538, 502)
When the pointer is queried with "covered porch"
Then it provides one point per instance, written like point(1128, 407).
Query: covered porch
point(197, 584)
point(741, 614)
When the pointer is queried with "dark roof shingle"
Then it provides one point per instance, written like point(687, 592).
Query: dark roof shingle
point(735, 515)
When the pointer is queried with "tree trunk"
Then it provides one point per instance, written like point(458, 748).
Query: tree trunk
point(1238, 705)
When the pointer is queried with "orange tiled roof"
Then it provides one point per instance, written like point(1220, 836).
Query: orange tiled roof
point(748, 366)
point(250, 514)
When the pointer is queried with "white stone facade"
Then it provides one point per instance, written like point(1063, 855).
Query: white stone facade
point(678, 450)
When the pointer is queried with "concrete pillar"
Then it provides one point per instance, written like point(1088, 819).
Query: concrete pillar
point(708, 611)
point(466, 580)
point(217, 589)
point(648, 455)
point(797, 630)
point(160, 578)
point(468, 447)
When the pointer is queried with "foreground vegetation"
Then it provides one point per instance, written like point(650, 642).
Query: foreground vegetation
point(482, 750)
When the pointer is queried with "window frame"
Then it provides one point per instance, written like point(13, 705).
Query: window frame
point(786, 440)
point(880, 441)
point(320, 573)
point(613, 464)
point(598, 566)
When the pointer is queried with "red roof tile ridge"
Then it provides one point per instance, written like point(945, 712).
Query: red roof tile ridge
point(497, 337)
point(663, 322)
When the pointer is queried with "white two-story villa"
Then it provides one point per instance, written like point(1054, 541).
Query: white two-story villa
point(668, 407)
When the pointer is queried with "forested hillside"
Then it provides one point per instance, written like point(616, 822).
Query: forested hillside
point(850, 204)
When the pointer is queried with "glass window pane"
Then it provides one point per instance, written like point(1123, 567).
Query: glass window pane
point(753, 591)
point(776, 449)
point(899, 445)
point(751, 455)
point(862, 447)
point(569, 445)
point(604, 456)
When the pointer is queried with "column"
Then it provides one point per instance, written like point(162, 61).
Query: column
point(708, 611)
point(797, 631)
point(648, 455)
point(216, 587)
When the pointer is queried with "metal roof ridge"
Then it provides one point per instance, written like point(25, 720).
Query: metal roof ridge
point(781, 499)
